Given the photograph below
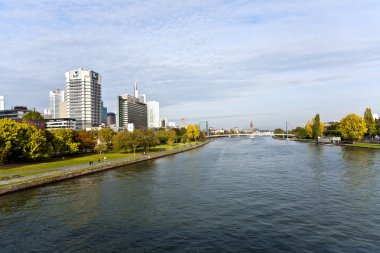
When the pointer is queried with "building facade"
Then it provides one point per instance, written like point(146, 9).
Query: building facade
point(57, 98)
point(153, 114)
point(104, 114)
point(111, 118)
point(203, 126)
point(16, 112)
point(58, 123)
point(2, 105)
point(131, 110)
point(83, 95)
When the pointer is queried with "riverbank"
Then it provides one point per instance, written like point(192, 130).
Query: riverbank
point(14, 183)
point(351, 145)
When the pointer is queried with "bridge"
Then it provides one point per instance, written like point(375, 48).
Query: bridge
point(255, 134)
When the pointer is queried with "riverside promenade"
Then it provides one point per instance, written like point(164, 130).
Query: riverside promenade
point(11, 182)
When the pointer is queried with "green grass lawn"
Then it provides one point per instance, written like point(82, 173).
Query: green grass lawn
point(364, 145)
point(27, 169)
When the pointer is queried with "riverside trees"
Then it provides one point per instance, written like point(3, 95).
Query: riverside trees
point(369, 122)
point(353, 127)
point(314, 128)
point(22, 141)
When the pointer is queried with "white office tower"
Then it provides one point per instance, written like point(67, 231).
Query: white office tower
point(83, 96)
point(153, 114)
point(2, 103)
point(57, 97)
point(143, 98)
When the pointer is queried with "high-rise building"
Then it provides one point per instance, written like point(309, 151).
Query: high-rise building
point(142, 98)
point(153, 114)
point(111, 118)
point(2, 107)
point(203, 126)
point(83, 96)
point(57, 97)
point(104, 114)
point(131, 110)
point(164, 122)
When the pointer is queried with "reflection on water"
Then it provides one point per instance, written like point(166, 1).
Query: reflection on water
point(236, 195)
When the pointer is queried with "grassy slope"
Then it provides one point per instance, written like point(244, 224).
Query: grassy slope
point(364, 145)
point(23, 170)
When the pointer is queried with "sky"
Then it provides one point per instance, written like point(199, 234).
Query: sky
point(228, 62)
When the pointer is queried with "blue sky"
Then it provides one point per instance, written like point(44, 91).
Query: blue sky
point(229, 62)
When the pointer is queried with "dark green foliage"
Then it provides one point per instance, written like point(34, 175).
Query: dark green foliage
point(299, 133)
point(278, 131)
point(317, 132)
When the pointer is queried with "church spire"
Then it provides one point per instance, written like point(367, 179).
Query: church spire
point(136, 91)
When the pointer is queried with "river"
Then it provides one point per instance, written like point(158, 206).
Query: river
point(232, 195)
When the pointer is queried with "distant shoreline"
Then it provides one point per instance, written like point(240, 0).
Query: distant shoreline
point(43, 180)
point(354, 145)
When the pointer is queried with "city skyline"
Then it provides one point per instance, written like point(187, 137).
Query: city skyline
point(228, 63)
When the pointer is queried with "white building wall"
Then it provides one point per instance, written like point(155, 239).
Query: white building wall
point(83, 97)
point(153, 114)
point(56, 98)
point(2, 106)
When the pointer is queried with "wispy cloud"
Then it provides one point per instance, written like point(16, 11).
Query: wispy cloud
point(199, 58)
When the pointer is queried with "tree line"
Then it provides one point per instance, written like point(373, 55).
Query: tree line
point(20, 141)
point(352, 127)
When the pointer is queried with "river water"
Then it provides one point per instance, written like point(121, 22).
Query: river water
point(232, 195)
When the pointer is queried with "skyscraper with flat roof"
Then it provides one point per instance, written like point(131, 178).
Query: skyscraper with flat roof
point(131, 110)
point(83, 96)
point(153, 114)
point(57, 97)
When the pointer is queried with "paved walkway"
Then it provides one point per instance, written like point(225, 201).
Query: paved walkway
point(10, 179)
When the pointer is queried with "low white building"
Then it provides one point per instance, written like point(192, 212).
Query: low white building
point(58, 123)
point(328, 139)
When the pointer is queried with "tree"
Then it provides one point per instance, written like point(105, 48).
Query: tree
point(192, 132)
point(352, 127)
point(278, 131)
point(184, 138)
point(317, 127)
point(332, 130)
point(86, 140)
point(369, 122)
point(136, 140)
point(64, 141)
point(299, 133)
point(105, 136)
point(14, 137)
point(33, 115)
point(38, 147)
point(309, 129)
point(148, 138)
point(202, 136)
point(312, 129)
point(123, 141)
point(196, 132)
point(172, 136)
point(162, 136)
